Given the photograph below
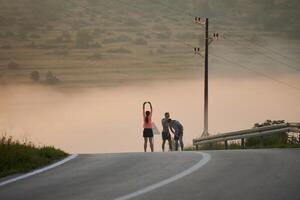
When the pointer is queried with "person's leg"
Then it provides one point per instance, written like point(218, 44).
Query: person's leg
point(145, 144)
point(181, 141)
point(163, 145)
point(176, 144)
point(170, 143)
point(151, 143)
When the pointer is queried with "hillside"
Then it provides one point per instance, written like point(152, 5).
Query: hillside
point(110, 42)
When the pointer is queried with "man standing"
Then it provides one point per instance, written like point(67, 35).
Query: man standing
point(177, 130)
point(166, 133)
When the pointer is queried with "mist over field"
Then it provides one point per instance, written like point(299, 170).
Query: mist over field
point(109, 120)
point(75, 73)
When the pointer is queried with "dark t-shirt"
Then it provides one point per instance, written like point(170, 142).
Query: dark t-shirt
point(178, 128)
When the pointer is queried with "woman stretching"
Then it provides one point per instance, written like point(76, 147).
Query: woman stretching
point(148, 133)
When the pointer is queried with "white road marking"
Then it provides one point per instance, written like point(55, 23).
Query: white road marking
point(203, 161)
point(38, 171)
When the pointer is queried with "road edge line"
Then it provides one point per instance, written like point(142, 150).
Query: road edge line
point(38, 171)
point(206, 158)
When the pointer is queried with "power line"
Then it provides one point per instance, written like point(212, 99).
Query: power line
point(236, 64)
point(257, 72)
point(271, 50)
point(268, 56)
point(263, 54)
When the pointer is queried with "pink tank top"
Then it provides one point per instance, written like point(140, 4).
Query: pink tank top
point(149, 124)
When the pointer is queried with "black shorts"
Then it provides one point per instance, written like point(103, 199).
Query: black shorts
point(165, 136)
point(148, 132)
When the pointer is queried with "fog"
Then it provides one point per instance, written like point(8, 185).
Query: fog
point(110, 119)
point(74, 74)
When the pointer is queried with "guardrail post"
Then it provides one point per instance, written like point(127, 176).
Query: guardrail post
point(243, 143)
point(226, 144)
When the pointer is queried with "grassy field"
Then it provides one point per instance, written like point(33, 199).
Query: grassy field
point(19, 157)
point(109, 42)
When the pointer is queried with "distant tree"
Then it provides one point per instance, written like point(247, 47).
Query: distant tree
point(35, 76)
point(51, 78)
point(140, 41)
point(13, 65)
point(119, 50)
point(64, 37)
point(83, 39)
point(96, 45)
point(95, 56)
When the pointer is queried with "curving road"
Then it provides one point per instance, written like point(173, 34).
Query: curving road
point(231, 174)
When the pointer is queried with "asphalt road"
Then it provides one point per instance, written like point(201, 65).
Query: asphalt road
point(233, 174)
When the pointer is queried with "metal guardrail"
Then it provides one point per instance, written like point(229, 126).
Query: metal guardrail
point(248, 133)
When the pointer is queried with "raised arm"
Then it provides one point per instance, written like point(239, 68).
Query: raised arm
point(144, 104)
point(150, 106)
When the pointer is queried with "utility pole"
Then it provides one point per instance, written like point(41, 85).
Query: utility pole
point(199, 20)
point(205, 131)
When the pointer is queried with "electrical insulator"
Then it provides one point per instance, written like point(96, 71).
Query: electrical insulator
point(197, 50)
point(216, 36)
point(198, 20)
